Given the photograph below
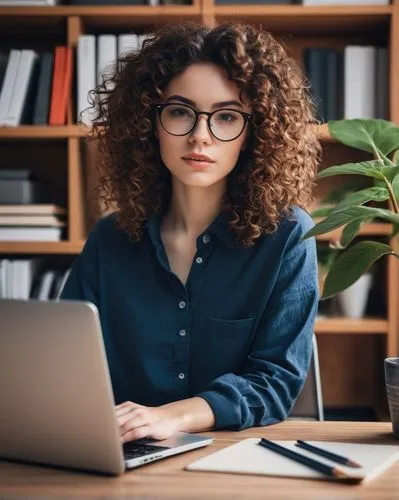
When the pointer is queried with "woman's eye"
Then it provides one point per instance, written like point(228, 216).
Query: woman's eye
point(178, 112)
point(226, 117)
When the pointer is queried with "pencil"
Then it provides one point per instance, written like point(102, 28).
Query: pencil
point(298, 457)
point(327, 454)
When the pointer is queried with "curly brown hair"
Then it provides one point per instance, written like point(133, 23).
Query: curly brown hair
point(275, 171)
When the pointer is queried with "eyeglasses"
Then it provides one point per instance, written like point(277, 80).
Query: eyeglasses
point(180, 119)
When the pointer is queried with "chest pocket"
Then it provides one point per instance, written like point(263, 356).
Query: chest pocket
point(228, 342)
point(230, 327)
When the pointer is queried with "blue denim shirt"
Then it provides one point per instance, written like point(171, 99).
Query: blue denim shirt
point(239, 334)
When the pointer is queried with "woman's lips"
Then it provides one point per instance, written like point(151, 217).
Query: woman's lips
point(198, 163)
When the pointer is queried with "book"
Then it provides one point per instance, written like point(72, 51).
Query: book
point(30, 220)
point(57, 83)
point(106, 56)
point(8, 83)
point(3, 67)
point(127, 42)
point(36, 209)
point(21, 174)
point(334, 80)
point(382, 84)
point(42, 99)
point(315, 61)
point(359, 81)
point(66, 83)
point(246, 457)
point(30, 233)
point(86, 78)
point(18, 191)
point(20, 106)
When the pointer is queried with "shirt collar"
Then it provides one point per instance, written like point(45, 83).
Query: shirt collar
point(219, 227)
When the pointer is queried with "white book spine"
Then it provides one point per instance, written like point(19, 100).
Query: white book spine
point(86, 77)
point(2, 279)
point(359, 82)
point(8, 83)
point(106, 55)
point(24, 76)
point(127, 43)
point(30, 234)
point(141, 39)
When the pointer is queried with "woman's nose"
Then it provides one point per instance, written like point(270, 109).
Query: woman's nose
point(201, 132)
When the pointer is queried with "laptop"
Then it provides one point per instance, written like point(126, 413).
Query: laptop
point(57, 404)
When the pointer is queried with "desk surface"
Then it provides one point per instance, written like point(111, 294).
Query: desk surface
point(167, 479)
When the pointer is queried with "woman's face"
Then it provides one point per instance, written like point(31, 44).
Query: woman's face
point(204, 87)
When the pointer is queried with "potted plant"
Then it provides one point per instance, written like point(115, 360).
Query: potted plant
point(381, 139)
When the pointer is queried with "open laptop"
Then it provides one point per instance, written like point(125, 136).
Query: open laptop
point(56, 401)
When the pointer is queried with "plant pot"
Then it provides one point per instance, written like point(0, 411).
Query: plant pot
point(353, 300)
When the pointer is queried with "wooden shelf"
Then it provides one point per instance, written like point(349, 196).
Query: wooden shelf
point(351, 326)
point(110, 16)
point(297, 19)
point(41, 132)
point(41, 247)
point(374, 229)
point(56, 132)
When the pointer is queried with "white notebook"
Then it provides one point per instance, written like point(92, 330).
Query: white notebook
point(247, 457)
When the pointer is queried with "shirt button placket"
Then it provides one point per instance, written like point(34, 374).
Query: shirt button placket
point(183, 346)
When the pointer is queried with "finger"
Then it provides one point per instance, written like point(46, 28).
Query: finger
point(137, 433)
point(130, 414)
point(126, 407)
point(132, 421)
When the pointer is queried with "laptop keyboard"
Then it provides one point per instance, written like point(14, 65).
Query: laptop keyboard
point(134, 450)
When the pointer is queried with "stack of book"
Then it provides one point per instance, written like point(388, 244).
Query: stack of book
point(96, 58)
point(35, 86)
point(352, 83)
point(22, 279)
point(39, 222)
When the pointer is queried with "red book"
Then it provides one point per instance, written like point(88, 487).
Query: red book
point(56, 90)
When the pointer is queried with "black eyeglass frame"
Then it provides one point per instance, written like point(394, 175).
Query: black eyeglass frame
point(160, 107)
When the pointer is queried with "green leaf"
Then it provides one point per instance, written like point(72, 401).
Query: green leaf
point(321, 212)
point(395, 187)
point(351, 264)
point(372, 168)
point(350, 231)
point(363, 196)
point(338, 218)
point(367, 135)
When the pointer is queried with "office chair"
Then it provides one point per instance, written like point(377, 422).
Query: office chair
point(309, 405)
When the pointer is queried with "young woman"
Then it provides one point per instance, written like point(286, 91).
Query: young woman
point(206, 291)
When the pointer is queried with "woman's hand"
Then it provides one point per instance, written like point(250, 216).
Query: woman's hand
point(138, 421)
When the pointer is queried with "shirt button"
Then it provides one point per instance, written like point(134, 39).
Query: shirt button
point(198, 260)
point(181, 376)
point(182, 304)
point(182, 333)
point(206, 238)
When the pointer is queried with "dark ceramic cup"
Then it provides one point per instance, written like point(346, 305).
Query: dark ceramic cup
point(392, 387)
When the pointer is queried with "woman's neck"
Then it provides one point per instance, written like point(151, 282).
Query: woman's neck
point(192, 209)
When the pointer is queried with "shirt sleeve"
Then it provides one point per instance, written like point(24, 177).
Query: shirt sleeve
point(275, 370)
point(82, 282)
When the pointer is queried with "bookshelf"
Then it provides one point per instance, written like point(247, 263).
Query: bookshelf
point(351, 351)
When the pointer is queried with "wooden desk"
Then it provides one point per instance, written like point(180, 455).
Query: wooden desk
point(167, 479)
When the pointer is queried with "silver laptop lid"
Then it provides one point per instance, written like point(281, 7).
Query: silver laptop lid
point(56, 398)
